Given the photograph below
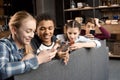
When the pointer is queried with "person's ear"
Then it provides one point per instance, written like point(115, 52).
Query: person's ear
point(14, 30)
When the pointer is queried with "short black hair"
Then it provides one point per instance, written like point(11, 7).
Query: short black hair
point(44, 16)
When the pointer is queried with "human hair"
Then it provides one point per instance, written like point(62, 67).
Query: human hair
point(44, 16)
point(91, 20)
point(17, 19)
point(72, 24)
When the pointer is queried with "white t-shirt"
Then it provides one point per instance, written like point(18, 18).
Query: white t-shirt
point(45, 47)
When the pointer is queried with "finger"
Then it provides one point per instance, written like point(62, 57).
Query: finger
point(66, 61)
point(72, 48)
point(53, 53)
point(52, 56)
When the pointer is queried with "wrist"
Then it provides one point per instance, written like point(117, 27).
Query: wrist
point(81, 45)
point(98, 25)
point(39, 61)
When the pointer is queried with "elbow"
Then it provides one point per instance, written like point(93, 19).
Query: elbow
point(98, 44)
point(109, 35)
point(3, 74)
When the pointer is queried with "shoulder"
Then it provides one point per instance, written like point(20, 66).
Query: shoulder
point(35, 42)
point(60, 36)
point(5, 41)
point(6, 44)
point(54, 38)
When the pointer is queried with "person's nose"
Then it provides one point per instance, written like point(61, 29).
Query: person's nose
point(46, 31)
point(90, 28)
point(72, 36)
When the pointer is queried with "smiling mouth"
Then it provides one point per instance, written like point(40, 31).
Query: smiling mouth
point(47, 37)
point(28, 40)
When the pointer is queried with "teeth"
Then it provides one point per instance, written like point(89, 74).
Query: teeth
point(47, 36)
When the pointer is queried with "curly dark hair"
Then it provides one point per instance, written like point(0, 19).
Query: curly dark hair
point(44, 16)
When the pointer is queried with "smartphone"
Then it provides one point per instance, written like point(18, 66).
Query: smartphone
point(92, 32)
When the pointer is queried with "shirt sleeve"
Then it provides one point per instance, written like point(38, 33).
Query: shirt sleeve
point(84, 39)
point(98, 43)
point(104, 34)
point(10, 66)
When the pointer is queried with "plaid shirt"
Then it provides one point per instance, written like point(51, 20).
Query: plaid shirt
point(10, 59)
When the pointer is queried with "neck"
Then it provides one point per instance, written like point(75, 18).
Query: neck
point(47, 43)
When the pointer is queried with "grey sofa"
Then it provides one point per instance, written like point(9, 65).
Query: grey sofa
point(84, 64)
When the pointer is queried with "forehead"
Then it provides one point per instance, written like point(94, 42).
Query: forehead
point(73, 29)
point(90, 24)
point(29, 23)
point(46, 23)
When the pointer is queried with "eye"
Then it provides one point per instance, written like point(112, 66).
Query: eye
point(42, 28)
point(70, 33)
point(75, 33)
point(88, 26)
point(51, 28)
point(28, 31)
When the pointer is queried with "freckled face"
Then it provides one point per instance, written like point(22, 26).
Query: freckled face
point(26, 32)
point(73, 33)
point(45, 31)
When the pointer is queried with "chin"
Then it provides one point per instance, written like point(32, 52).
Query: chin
point(47, 39)
point(26, 43)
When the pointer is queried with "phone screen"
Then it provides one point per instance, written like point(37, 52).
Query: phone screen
point(92, 32)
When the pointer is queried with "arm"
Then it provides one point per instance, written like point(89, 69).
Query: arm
point(82, 45)
point(11, 62)
point(11, 65)
point(104, 33)
point(84, 42)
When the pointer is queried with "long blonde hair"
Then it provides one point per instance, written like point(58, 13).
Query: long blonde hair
point(16, 21)
point(28, 49)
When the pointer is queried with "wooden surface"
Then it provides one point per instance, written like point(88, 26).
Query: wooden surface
point(115, 56)
point(112, 28)
point(91, 8)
